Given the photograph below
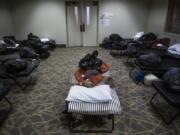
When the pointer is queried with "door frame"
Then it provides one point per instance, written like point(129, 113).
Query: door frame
point(81, 6)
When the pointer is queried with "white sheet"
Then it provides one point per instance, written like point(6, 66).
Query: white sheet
point(174, 49)
point(96, 94)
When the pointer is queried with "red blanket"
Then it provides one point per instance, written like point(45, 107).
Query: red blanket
point(94, 79)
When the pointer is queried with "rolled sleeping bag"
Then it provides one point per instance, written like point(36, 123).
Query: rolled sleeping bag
point(150, 60)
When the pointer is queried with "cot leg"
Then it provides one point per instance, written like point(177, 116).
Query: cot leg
point(21, 85)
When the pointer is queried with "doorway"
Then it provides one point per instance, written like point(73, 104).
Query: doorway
point(82, 23)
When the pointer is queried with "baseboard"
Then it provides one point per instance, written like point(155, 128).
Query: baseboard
point(61, 45)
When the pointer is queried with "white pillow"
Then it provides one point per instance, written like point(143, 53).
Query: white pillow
point(138, 35)
point(45, 39)
point(175, 47)
point(101, 93)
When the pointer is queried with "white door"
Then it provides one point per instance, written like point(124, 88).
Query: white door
point(73, 21)
point(90, 20)
point(82, 23)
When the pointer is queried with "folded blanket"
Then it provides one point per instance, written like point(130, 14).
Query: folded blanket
point(96, 94)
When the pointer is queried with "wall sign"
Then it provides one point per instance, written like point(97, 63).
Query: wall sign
point(106, 19)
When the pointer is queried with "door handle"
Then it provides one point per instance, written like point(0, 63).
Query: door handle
point(81, 28)
point(84, 28)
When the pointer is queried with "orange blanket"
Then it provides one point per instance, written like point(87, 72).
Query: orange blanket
point(94, 79)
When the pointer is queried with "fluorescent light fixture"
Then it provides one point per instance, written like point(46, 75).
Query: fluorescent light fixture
point(88, 15)
point(76, 14)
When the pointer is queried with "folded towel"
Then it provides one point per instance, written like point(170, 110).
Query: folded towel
point(96, 94)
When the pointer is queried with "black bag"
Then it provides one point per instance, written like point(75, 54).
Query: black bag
point(51, 44)
point(32, 37)
point(150, 60)
point(84, 62)
point(122, 45)
point(135, 48)
point(115, 38)
point(90, 61)
point(35, 42)
point(106, 43)
point(27, 52)
point(97, 64)
point(44, 55)
point(9, 38)
point(148, 37)
point(172, 79)
point(10, 43)
point(15, 65)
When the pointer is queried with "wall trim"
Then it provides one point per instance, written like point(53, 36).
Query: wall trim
point(61, 45)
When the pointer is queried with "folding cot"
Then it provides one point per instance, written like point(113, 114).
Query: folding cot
point(94, 109)
point(132, 57)
point(172, 98)
point(4, 90)
point(31, 66)
point(167, 63)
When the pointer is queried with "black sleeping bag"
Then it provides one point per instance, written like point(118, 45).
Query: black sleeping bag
point(172, 79)
point(122, 45)
point(148, 37)
point(115, 38)
point(135, 48)
point(150, 60)
point(14, 66)
point(27, 52)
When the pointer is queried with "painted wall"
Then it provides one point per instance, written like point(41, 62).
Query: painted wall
point(6, 25)
point(45, 18)
point(129, 17)
point(157, 19)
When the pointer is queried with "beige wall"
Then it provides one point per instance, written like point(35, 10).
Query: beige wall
point(157, 19)
point(129, 17)
point(6, 24)
point(45, 18)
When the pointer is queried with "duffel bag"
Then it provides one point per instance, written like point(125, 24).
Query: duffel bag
point(150, 60)
point(172, 79)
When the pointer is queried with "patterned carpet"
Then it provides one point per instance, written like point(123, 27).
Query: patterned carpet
point(38, 111)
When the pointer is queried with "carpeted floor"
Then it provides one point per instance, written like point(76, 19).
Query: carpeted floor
point(38, 111)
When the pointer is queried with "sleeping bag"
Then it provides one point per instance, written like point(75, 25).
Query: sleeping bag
point(115, 38)
point(135, 48)
point(14, 66)
point(150, 60)
point(27, 52)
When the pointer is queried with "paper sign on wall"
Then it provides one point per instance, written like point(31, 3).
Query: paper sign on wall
point(106, 22)
point(106, 19)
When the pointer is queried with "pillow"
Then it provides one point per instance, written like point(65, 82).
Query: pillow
point(175, 47)
point(97, 94)
point(138, 35)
